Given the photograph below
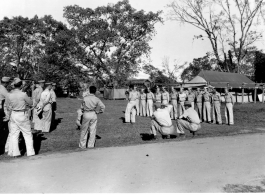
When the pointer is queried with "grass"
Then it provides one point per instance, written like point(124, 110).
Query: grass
point(113, 132)
point(258, 187)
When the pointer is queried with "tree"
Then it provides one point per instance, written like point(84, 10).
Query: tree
point(112, 38)
point(198, 64)
point(259, 66)
point(228, 24)
point(157, 75)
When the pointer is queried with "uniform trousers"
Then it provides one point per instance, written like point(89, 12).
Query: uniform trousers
point(181, 108)
point(174, 112)
point(19, 122)
point(149, 107)
point(183, 124)
point(89, 127)
point(133, 114)
point(46, 120)
point(217, 112)
point(229, 115)
point(143, 108)
point(155, 126)
point(137, 104)
point(129, 107)
point(207, 111)
point(199, 109)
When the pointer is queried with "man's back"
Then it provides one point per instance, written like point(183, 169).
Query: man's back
point(18, 100)
point(91, 102)
point(162, 116)
point(192, 115)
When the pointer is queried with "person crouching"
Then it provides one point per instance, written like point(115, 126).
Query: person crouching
point(161, 121)
point(189, 120)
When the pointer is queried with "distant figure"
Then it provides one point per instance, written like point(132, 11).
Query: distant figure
point(150, 100)
point(206, 105)
point(191, 97)
point(182, 98)
point(189, 120)
point(158, 96)
point(131, 104)
point(142, 103)
point(174, 102)
point(161, 121)
point(198, 100)
point(89, 107)
point(137, 101)
point(54, 104)
point(229, 104)
point(216, 102)
point(165, 96)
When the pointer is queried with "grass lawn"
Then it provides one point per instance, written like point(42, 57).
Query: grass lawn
point(249, 118)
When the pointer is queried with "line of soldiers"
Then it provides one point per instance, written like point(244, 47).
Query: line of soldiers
point(206, 101)
point(17, 109)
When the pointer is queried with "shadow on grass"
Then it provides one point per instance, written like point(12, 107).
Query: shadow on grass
point(37, 140)
point(123, 119)
point(240, 188)
point(55, 124)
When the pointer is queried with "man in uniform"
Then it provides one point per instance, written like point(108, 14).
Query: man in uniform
point(206, 105)
point(36, 99)
point(165, 96)
point(198, 100)
point(54, 105)
point(158, 96)
point(44, 106)
point(19, 120)
point(229, 104)
point(131, 104)
point(182, 98)
point(150, 99)
point(89, 125)
point(174, 102)
point(161, 121)
point(216, 101)
point(191, 97)
point(143, 103)
point(137, 104)
point(189, 120)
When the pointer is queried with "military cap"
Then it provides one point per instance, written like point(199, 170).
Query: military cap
point(48, 83)
point(41, 81)
point(54, 84)
point(16, 80)
point(5, 79)
point(187, 103)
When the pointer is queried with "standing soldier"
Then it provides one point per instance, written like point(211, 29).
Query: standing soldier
point(137, 101)
point(3, 98)
point(36, 99)
point(54, 105)
point(199, 102)
point(216, 101)
point(229, 104)
point(206, 105)
point(150, 99)
point(191, 97)
point(19, 120)
point(45, 107)
point(131, 104)
point(158, 96)
point(174, 102)
point(182, 98)
point(143, 103)
point(165, 96)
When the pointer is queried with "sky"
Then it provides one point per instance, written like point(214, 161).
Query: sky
point(172, 39)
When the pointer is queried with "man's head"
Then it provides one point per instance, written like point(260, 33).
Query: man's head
point(164, 89)
point(142, 90)
point(189, 89)
point(41, 83)
point(131, 87)
point(17, 83)
point(48, 85)
point(198, 89)
point(226, 90)
point(181, 90)
point(92, 89)
point(213, 90)
point(148, 89)
point(53, 86)
point(157, 89)
point(187, 105)
point(205, 89)
point(5, 81)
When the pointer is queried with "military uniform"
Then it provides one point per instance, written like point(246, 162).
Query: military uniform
point(137, 104)
point(89, 123)
point(199, 104)
point(149, 108)
point(158, 97)
point(216, 101)
point(54, 106)
point(182, 98)
point(174, 102)
point(206, 107)
point(19, 122)
point(165, 97)
point(131, 104)
point(143, 104)
point(229, 103)
point(36, 98)
point(191, 98)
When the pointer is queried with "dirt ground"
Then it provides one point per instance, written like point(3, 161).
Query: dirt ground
point(198, 165)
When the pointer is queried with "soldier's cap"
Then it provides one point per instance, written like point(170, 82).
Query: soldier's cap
point(41, 81)
point(48, 83)
point(16, 80)
point(187, 103)
point(5, 79)
point(54, 84)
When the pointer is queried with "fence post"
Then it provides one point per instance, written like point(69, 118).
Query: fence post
point(243, 85)
point(255, 94)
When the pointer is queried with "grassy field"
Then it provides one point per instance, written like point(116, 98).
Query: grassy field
point(249, 118)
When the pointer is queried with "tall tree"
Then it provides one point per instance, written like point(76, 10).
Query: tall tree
point(113, 37)
point(228, 24)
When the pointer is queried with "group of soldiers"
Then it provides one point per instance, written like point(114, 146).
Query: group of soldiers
point(18, 112)
point(206, 101)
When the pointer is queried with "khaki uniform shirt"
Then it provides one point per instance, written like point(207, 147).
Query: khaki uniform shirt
point(150, 96)
point(174, 96)
point(36, 95)
point(91, 102)
point(206, 97)
point(53, 95)
point(18, 100)
point(158, 97)
point(165, 96)
point(182, 97)
point(192, 116)
point(199, 98)
point(216, 97)
point(229, 98)
point(133, 95)
point(143, 96)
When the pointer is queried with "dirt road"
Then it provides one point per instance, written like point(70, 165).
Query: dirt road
point(199, 165)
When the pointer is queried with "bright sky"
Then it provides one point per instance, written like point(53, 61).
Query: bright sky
point(172, 40)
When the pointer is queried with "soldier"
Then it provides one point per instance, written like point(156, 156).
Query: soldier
point(181, 98)
point(174, 102)
point(44, 107)
point(89, 125)
point(191, 97)
point(131, 104)
point(150, 99)
point(229, 104)
point(36, 99)
point(137, 104)
point(19, 120)
point(143, 103)
point(3, 102)
point(158, 96)
point(216, 102)
point(54, 105)
point(206, 105)
point(165, 96)
point(199, 102)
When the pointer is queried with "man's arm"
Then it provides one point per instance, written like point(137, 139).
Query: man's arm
point(101, 107)
point(28, 100)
